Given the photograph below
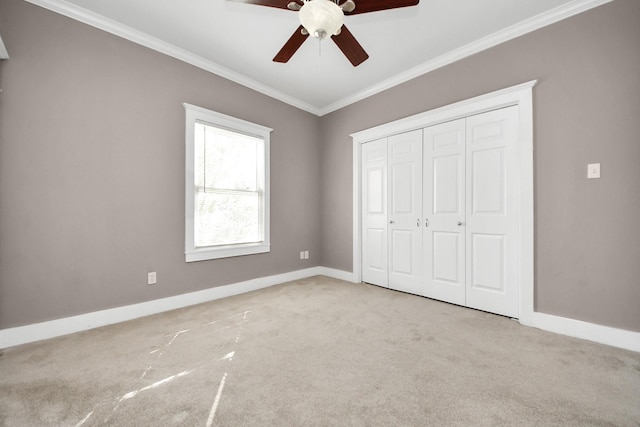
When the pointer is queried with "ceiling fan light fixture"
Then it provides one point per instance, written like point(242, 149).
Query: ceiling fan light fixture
point(321, 18)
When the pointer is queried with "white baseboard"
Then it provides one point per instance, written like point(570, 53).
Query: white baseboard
point(621, 338)
point(40, 331)
point(337, 274)
point(614, 337)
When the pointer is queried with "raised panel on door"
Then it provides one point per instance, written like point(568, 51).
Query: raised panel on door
point(492, 212)
point(374, 213)
point(405, 211)
point(444, 211)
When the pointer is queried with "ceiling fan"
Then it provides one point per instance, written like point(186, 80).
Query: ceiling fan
point(324, 18)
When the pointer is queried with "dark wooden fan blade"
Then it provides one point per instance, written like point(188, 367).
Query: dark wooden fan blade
point(350, 47)
point(291, 46)
point(280, 4)
point(364, 6)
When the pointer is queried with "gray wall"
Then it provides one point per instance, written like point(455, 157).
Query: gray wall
point(92, 155)
point(587, 108)
point(92, 171)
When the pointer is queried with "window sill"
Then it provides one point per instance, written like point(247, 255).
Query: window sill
point(203, 254)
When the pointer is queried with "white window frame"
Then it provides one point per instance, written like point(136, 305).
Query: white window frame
point(192, 253)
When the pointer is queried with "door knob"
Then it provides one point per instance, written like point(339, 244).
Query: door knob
point(460, 223)
point(392, 221)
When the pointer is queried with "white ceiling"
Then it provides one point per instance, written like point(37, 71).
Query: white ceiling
point(238, 41)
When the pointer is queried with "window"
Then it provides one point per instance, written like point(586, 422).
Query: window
point(227, 186)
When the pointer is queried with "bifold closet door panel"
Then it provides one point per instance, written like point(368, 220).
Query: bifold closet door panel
point(441, 211)
point(374, 213)
point(405, 211)
point(444, 211)
point(492, 218)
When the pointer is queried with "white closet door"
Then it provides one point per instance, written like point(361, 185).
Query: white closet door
point(405, 211)
point(444, 211)
point(493, 216)
point(374, 213)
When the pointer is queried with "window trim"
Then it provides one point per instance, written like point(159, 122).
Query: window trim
point(192, 253)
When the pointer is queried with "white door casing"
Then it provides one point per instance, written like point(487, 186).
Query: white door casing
point(444, 208)
point(405, 211)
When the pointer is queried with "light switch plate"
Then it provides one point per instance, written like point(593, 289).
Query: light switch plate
point(593, 170)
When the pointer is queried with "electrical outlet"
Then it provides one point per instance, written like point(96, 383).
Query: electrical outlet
point(593, 170)
point(151, 278)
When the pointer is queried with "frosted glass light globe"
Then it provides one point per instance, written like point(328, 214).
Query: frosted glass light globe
point(321, 18)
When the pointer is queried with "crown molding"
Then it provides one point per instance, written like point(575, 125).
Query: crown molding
point(98, 21)
point(542, 20)
point(529, 25)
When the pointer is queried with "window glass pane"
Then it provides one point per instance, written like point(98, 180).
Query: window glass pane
point(223, 218)
point(198, 150)
point(225, 159)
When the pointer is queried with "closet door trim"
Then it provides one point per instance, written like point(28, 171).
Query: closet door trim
point(519, 95)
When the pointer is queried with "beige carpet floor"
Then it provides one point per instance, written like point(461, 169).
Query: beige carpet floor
point(319, 352)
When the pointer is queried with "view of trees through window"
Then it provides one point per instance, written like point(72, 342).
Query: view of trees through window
point(227, 187)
